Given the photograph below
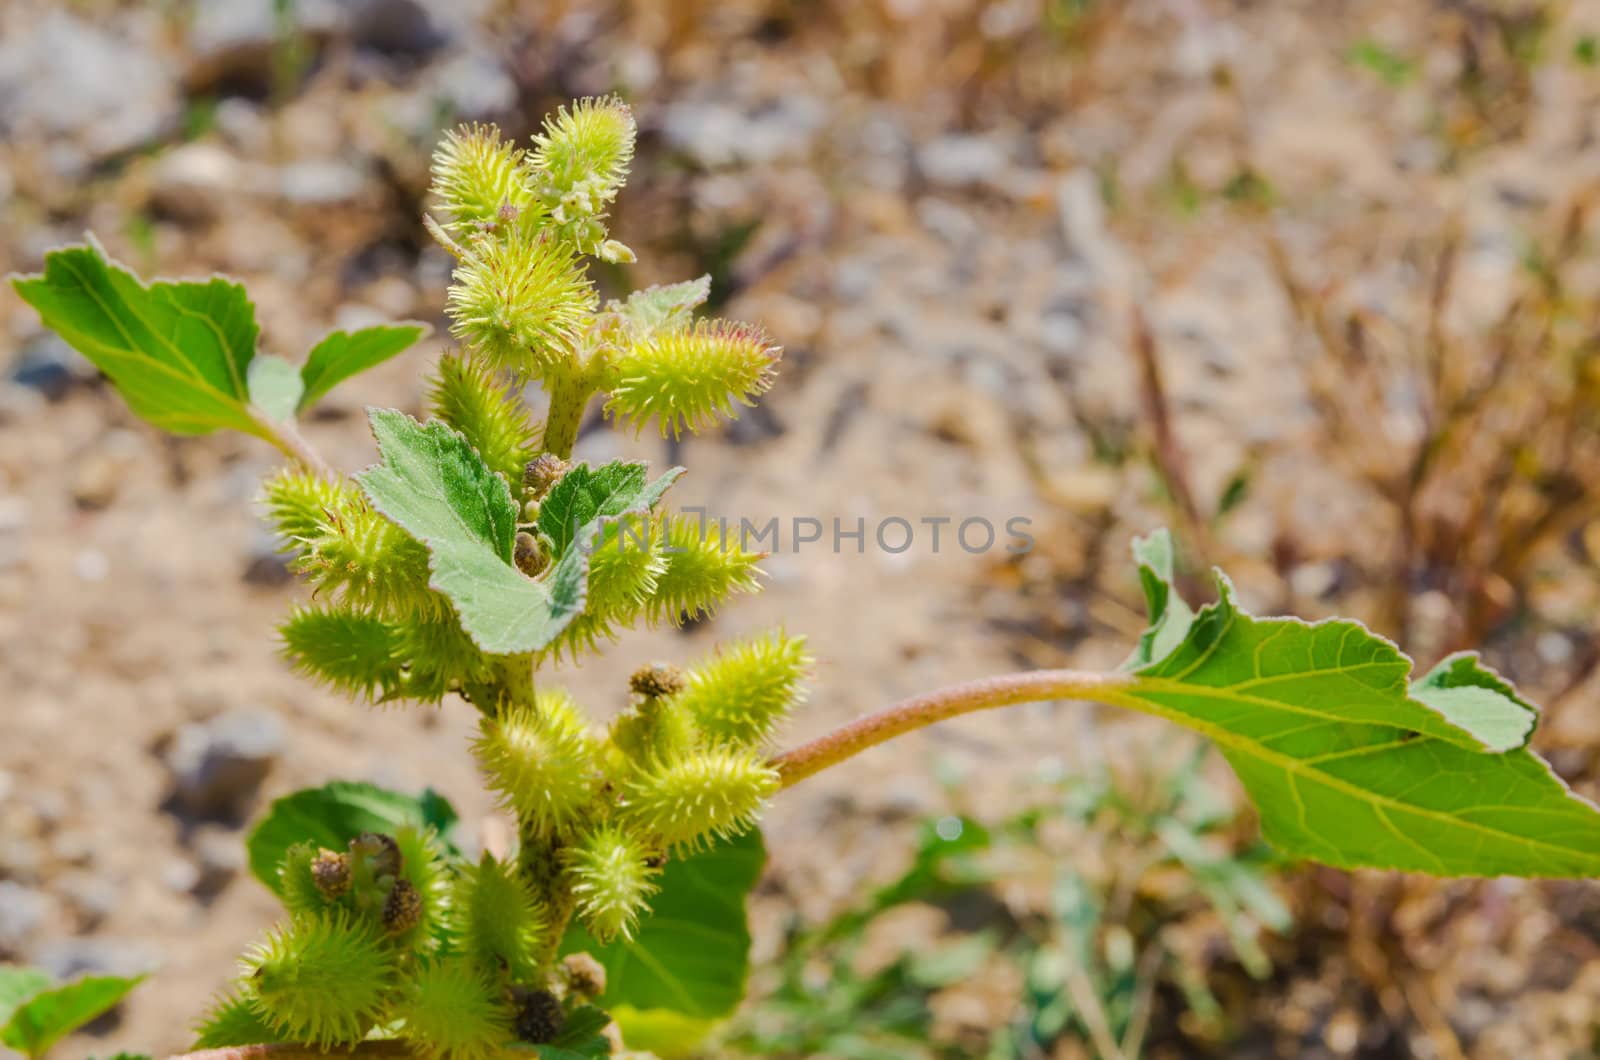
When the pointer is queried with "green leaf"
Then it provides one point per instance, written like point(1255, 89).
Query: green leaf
point(1351, 765)
point(179, 352)
point(275, 387)
point(686, 966)
point(586, 495)
point(669, 305)
point(583, 1035)
point(18, 985)
point(1170, 616)
point(50, 1015)
point(437, 813)
point(1479, 700)
point(344, 354)
point(331, 816)
point(435, 486)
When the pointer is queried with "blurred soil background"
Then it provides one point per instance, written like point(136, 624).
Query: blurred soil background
point(1316, 284)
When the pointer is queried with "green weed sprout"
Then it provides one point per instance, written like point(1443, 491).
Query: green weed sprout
point(476, 555)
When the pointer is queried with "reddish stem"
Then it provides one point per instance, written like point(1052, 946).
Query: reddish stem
point(807, 759)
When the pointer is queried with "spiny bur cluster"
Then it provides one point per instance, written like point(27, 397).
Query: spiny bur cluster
point(396, 935)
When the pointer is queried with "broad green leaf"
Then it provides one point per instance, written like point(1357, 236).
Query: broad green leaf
point(179, 353)
point(275, 387)
point(666, 306)
point(1476, 698)
point(1351, 765)
point(1170, 616)
point(50, 1015)
point(435, 486)
point(662, 1032)
point(582, 1036)
point(437, 813)
point(586, 495)
point(331, 816)
point(17, 985)
point(686, 966)
point(345, 353)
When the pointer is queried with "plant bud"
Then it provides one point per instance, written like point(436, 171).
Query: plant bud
point(585, 977)
point(330, 871)
point(529, 557)
point(402, 909)
point(616, 253)
point(542, 473)
point(381, 851)
point(656, 680)
point(540, 1018)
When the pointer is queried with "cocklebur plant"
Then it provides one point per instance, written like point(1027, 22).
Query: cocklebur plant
point(476, 556)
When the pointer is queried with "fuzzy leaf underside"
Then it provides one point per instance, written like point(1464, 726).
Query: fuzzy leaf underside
point(664, 306)
point(586, 496)
point(685, 968)
point(179, 353)
point(52, 1013)
point(435, 486)
point(275, 387)
point(343, 354)
point(1350, 764)
point(1170, 616)
point(331, 816)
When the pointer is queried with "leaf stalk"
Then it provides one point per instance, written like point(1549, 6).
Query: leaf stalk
point(920, 711)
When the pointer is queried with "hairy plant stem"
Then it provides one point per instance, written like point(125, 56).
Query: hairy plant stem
point(920, 711)
point(569, 396)
point(288, 440)
point(539, 856)
point(539, 864)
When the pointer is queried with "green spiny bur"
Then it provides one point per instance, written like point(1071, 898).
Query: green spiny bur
point(700, 796)
point(359, 654)
point(739, 696)
point(520, 302)
point(611, 875)
point(453, 1010)
point(704, 564)
point(541, 760)
point(497, 919)
point(466, 394)
point(690, 378)
point(477, 177)
point(422, 865)
point(321, 978)
point(233, 1020)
